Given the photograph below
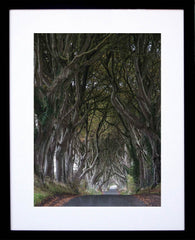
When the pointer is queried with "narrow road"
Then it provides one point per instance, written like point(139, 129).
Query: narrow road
point(111, 192)
point(110, 198)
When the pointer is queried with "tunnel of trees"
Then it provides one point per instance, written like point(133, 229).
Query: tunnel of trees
point(97, 109)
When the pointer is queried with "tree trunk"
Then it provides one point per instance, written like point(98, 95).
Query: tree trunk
point(58, 166)
point(141, 172)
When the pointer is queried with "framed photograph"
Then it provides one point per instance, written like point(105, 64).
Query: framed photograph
point(97, 119)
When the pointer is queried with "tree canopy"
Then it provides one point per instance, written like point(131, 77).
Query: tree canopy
point(97, 109)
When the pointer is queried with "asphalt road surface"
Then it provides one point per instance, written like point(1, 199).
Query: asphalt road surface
point(111, 192)
point(110, 198)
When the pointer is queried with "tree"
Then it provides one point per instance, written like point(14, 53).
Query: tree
point(136, 92)
point(97, 108)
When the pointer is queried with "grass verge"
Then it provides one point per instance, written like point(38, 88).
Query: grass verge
point(156, 190)
point(49, 190)
point(147, 190)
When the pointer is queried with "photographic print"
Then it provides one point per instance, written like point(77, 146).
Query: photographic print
point(97, 119)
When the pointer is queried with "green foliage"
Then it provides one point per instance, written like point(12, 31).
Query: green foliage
point(49, 189)
point(35, 133)
point(39, 197)
point(82, 187)
point(134, 169)
point(45, 111)
point(148, 146)
point(127, 169)
point(149, 190)
point(131, 186)
point(92, 191)
point(42, 106)
point(58, 188)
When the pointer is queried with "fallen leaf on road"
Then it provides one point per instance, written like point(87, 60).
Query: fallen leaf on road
point(57, 200)
point(150, 199)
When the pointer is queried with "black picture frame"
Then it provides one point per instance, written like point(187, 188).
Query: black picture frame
point(188, 7)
